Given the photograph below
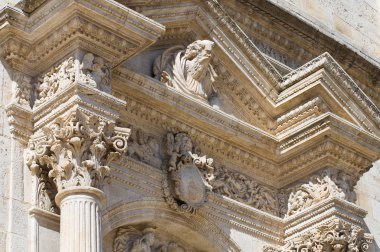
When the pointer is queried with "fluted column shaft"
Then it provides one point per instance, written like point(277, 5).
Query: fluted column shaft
point(80, 219)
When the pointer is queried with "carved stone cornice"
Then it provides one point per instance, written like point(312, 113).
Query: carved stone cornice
point(77, 150)
point(290, 144)
point(78, 26)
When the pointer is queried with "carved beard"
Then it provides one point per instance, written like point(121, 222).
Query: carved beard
point(197, 68)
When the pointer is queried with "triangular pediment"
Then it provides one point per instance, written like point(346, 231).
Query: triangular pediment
point(311, 104)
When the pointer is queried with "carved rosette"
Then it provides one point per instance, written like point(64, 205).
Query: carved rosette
point(327, 184)
point(187, 175)
point(77, 151)
point(336, 235)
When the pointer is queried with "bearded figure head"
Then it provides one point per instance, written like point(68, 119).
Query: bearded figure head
point(188, 69)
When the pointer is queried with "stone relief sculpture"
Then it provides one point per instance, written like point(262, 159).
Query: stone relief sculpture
point(23, 89)
point(187, 176)
point(188, 69)
point(336, 235)
point(55, 79)
point(77, 150)
point(144, 148)
point(46, 189)
point(96, 72)
point(132, 239)
point(321, 186)
point(93, 71)
point(241, 188)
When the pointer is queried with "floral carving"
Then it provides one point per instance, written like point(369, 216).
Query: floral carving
point(243, 189)
point(188, 175)
point(23, 89)
point(55, 79)
point(93, 71)
point(77, 151)
point(320, 187)
point(96, 72)
point(46, 188)
point(188, 70)
point(336, 235)
point(133, 240)
point(144, 148)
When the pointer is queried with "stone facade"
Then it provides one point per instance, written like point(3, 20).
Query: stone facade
point(184, 126)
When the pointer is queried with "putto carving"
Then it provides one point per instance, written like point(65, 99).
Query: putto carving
point(23, 89)
point(96, 72)
point(188, 70)
point(336, 235)
point(133, 240)
point(321, 186)
point(54, 80)
point(187, 176)
point(77, 150)
point(243, 189)
point(144, 148)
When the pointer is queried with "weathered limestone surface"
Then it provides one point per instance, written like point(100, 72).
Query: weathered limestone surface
point(353, 23)
point(184, 126)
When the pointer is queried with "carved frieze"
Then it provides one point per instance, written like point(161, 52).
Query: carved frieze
point(93, 71)
point(336, 235)
point(134, 240)
point(244, 189)
point(77, 150)
point(188, 69)
point(329, 183)
point(187, 176)
point(145, 148)
point(22, 89)
point(54, 80)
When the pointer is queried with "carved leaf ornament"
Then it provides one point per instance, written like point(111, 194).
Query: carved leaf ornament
point(77, 151)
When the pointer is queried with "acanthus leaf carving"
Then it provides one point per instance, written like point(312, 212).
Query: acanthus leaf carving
point(77, 150)
point(243, 189)
point(188, 69)
point(187, 176)
point(92, 71)
point(329, 183)
point(145, 148)
point(336, 235)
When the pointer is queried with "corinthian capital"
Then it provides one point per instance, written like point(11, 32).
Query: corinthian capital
point(77, 150)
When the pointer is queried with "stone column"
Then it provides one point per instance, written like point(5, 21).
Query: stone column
point(77, 150)
point(81, 219)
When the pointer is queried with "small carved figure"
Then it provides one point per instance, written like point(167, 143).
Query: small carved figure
point(23, 89)
point(95, 72)
point(144, 148)
point(188, 70)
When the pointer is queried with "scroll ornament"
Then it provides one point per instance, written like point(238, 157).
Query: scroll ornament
point(187, 175)
point(144, 148)
point(77, 151)
point(243, 189)
point(134, 240)
point(321, 186)
point(92, 71)
point(188, 69)
point(336, 235)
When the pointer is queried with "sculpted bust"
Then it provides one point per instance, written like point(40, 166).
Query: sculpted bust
point(188, 69)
